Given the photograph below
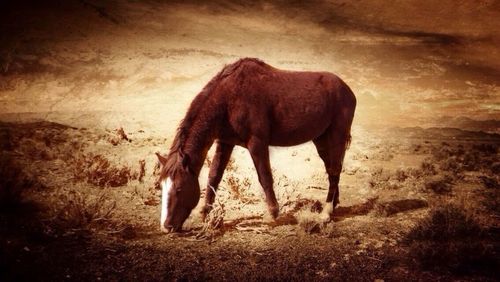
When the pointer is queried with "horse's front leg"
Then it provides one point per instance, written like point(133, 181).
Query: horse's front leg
point(260, 156)
point(221, 158)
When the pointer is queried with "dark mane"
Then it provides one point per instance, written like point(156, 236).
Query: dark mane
point(192, 113)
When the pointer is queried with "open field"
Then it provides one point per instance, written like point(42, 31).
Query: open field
point(89, 90)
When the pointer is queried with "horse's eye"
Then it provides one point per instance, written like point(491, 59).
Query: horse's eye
point(178, 190)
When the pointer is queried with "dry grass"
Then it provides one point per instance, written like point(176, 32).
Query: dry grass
point(97, 170)
point(214, 222)
point(309, 222)
point(85, 211)
point(240, 189)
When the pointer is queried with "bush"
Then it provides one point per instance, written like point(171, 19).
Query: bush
point(13, 181)
point(439, 184)
point(450, 240)
point(428, 168)
point(97, 170)
point(86, 211)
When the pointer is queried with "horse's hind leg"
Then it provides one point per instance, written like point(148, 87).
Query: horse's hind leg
point(221, 158)
point(323, 148)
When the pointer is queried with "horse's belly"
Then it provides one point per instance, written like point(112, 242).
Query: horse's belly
point(300, 127)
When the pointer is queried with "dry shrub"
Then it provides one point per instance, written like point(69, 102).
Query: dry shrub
point(487, 149)
point(451, 164)
point(142, 170)
point(214, 222)
point(449, 239)
point(309, 222)
point(13, 181)
point(441, 184)
point(97, 170)
point(401, 175)
point(86, 211)
point(489, 182)
point(119, 135)
point(428, 168)
point(381, 178)
point(495, 168)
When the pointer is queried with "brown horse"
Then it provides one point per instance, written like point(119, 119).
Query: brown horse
point(255, 105)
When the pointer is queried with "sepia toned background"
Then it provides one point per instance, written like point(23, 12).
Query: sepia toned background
point(89, 90)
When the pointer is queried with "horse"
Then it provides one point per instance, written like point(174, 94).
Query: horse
point(254, 105)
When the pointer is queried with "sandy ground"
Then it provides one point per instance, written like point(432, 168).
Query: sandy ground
point(425, 140)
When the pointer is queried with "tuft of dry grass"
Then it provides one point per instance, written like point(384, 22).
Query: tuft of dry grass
point(97, 170)
point(309, 222)
point(81, 212)
point(213, 224)
point(142, 170)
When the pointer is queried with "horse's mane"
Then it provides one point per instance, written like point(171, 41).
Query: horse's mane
point(172, 159)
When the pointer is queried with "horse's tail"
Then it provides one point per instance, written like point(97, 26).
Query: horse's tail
point(346, 105)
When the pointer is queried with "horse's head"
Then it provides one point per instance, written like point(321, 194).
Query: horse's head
point(180, 191)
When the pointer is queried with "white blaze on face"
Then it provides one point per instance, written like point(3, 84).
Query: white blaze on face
point(166, 185)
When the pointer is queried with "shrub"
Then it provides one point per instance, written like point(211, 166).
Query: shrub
point(85, 211)
point(97, 170)
point(13, 181)
point(309, 222)
point(439, 184)
point(450, 240)
point(428, 168)
point(489, 182)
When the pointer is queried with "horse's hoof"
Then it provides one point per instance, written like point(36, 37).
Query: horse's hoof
point(327, 212)
point(274, 212)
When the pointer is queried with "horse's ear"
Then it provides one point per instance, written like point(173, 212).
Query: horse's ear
point(161, 158)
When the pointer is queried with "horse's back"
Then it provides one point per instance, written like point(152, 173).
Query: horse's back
point(287, 107)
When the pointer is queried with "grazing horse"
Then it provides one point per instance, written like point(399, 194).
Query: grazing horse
point(254, 105)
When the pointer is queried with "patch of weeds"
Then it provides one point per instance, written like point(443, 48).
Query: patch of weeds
point(489, 182)
point(97, 170)
point(495, 168)
point(487, 149)
point(309, 222)
point(428, 168)
point(401, 175)
point(452, 165)
point(379, 178)
point(439, 184)
point(448, 239)
point(239, 188)
point(82, 212)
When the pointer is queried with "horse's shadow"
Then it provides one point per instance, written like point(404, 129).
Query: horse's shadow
point(288, 218)
point(258, 224)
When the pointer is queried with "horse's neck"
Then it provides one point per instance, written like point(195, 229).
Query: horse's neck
point(201, 137)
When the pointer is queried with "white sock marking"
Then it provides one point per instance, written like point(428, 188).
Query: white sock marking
point(166, 185)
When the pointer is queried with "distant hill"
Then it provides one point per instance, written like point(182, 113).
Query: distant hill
point(443, 133)
point(465, 123)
